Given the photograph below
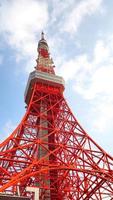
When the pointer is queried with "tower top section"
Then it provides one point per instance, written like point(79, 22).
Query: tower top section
point(44, 61)
point(44, 74)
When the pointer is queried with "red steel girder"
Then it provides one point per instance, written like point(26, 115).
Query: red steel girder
point(65, 163)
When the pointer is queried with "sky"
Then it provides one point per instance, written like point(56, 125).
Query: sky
point(80, 38)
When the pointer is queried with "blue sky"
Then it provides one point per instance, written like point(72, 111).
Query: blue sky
point(80, 38)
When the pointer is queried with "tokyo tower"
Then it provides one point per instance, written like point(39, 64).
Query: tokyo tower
point(49, 151)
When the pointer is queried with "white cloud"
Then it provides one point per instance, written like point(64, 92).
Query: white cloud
point(92, 77)
point(93, 80)
point(58, 7)
point(8, 128)
point(20, 21)
point(102, 115)
point(103, 49)
point(79, 12)
point(70, 69)
point(101, 52)
point(101, 82)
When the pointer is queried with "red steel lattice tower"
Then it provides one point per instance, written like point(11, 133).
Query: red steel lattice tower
point(49, 149)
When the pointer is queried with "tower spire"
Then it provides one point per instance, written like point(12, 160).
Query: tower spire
point(42, 35)
point(44, 61)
